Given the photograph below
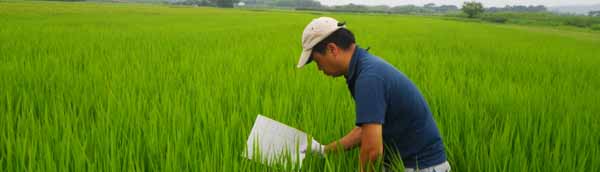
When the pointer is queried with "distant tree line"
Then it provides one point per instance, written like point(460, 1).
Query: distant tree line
point(217, 3)
point(472, 9)
point(427, 8)
point(250, 3)
point(518, 8)
point(224, 3)
point(284, 3)
point(403, 9)
point(191, 2)
point(534, 15)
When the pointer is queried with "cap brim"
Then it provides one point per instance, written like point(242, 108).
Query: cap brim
point(304, 57)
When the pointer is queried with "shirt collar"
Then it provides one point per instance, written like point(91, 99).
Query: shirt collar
point(352, 67)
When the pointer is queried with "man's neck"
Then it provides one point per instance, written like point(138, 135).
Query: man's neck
point(348, 58)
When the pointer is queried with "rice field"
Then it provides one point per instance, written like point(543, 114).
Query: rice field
point(132, 87)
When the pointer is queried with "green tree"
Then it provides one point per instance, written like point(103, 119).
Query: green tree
point(472, 9)
point(594, 13)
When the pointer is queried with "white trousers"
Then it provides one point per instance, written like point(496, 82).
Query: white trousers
point(443, 167)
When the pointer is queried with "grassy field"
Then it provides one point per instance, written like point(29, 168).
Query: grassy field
point(130, 87)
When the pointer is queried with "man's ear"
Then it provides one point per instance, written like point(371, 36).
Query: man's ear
point(333, 49)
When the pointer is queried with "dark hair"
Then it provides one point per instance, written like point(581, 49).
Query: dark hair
point(342, 37)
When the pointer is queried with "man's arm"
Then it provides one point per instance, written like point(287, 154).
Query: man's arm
point(351, 140)
point(371, 148)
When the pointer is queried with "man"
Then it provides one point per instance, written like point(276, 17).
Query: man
point(391, 114)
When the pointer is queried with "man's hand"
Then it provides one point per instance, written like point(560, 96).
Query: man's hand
point(315, 147)
point(350, 141)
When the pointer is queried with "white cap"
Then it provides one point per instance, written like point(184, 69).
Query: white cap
point(317, 30)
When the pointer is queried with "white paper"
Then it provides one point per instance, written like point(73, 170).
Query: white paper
point(273, 140)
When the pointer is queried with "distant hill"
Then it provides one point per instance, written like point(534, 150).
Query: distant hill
point(576, 9)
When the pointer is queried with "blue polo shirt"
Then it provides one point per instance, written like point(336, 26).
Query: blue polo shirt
point(384, 95)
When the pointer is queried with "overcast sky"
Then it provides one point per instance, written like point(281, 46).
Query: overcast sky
point(486, 3)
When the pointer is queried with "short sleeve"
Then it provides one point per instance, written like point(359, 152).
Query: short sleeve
point(369, 97)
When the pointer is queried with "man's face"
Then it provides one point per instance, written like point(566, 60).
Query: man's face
point(328, 62)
